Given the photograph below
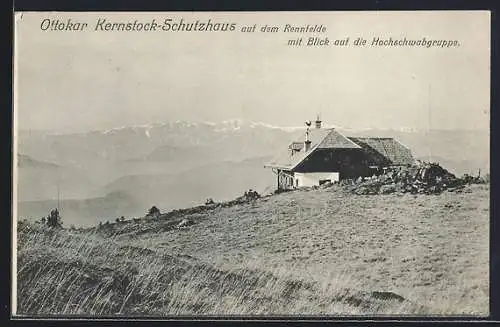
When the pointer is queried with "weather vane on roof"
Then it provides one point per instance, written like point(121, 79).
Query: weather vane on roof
point(308, 124)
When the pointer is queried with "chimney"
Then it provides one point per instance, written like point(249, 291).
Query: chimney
point(318, 122)
point(307, 145)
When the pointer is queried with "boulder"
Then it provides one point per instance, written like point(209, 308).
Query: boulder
point(387, 189)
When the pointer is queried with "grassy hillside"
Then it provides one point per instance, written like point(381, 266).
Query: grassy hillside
point(282, 254)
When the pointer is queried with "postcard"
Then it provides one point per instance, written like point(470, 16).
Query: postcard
point(229, 164)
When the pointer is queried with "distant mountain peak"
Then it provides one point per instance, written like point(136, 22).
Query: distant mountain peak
point(27, 161)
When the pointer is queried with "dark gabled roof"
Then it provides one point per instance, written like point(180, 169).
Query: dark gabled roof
point(385, 147)
point(321, 138)
point(335, 140)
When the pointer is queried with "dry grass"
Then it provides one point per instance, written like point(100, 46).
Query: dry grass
point(281, 255)
point(61, 273)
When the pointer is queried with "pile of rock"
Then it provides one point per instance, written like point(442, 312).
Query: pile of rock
point(424, 178)
point(248, 196)
point(251, 195)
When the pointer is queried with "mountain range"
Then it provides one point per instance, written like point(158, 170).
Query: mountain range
point(180, 163)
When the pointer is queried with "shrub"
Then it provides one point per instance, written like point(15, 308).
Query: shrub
point(485, 179)
point(153, 211)
point(54, 219)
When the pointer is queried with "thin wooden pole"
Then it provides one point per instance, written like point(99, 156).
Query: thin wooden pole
point(278, 179)
point(58, 197)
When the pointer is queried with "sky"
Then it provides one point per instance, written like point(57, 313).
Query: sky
point(88, 80)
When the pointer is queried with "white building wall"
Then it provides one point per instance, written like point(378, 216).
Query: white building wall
point(312, 179)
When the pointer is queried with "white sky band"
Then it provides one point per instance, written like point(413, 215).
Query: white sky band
point(215, 76)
